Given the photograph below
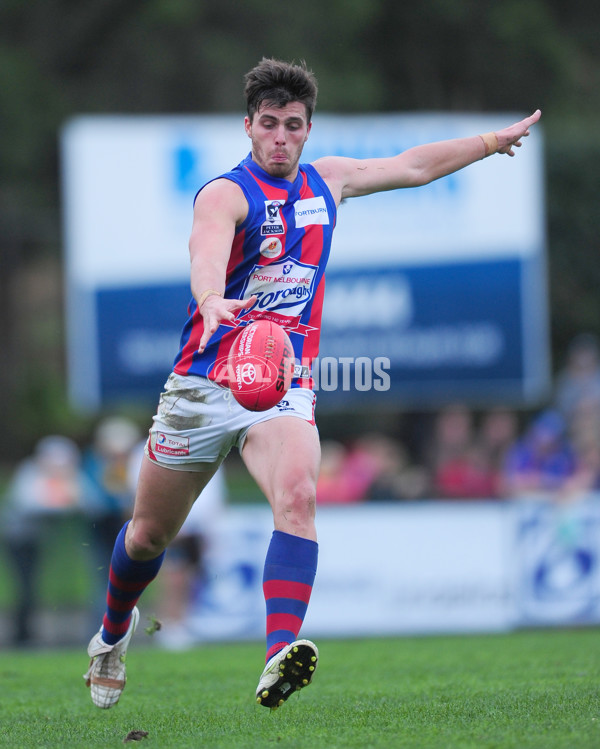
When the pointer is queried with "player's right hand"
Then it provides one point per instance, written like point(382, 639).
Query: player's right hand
point(217, 309)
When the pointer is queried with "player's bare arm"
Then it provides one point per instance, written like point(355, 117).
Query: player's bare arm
point(348, 178)
point(219, 208)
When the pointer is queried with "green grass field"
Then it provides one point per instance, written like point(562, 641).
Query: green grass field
point(528, 689)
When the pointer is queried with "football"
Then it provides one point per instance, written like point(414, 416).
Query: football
point(260, 365)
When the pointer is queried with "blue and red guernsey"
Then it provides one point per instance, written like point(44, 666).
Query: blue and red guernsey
point(279, 254)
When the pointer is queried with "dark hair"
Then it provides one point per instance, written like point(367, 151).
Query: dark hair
point(277, 83)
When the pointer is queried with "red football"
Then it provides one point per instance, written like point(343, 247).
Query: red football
point(260, 365)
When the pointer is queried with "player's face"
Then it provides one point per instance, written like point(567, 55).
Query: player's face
point(278, 136)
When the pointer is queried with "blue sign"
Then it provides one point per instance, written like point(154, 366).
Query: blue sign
point(450, 331)
point(138, 338)
point(411, 335)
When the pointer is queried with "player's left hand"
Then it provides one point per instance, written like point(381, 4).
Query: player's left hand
point(511, 136)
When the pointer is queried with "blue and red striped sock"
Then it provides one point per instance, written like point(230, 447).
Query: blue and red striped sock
point(127, 581)
point(290, 569)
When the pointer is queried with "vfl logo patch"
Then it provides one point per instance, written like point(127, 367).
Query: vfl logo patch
point(273, 223)
point(311, 211)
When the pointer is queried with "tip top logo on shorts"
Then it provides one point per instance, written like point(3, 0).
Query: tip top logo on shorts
point(273, 223)
point(171, 444)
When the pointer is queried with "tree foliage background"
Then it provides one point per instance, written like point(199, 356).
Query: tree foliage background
point(64, 57)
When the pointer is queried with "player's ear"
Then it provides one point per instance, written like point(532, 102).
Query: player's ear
point(248, 126)
point(308, 131)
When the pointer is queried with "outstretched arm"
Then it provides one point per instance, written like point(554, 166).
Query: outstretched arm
point(420, 165)
point(510, 136)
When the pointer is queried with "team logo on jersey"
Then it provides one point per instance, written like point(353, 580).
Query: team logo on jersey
point(282, 290)
point(273, 223)
point(271, 247)
point(311, 211)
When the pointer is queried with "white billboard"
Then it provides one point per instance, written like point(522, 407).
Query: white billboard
point(416, 568)
point(449, 277)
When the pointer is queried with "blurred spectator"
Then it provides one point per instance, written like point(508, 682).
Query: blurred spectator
point(106, 464)
point(497, 434)
point(374, 467)
point(587, 474)
point(452, 435)
point(468, 462)
point(498, 431)
point(578, 384)
point(363, 463)
point(398, 478)
point(456, 466)
point(468, 475)
point(542, 462)
point(584, 425)
point(46, 486)
point(577, 398)
point(584, 433)
point(333, 485)
point(348, 474)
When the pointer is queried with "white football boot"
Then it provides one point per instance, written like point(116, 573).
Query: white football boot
point(106, 674)
point(286, 672)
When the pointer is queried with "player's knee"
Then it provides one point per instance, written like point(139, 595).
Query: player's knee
point(298, 502)
point(145, 542)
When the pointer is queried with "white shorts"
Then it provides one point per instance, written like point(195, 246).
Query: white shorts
point(198, 422)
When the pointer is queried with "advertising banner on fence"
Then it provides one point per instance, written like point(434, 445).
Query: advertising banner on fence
point(416, 568)
point(557, 563)
point(382, 570)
